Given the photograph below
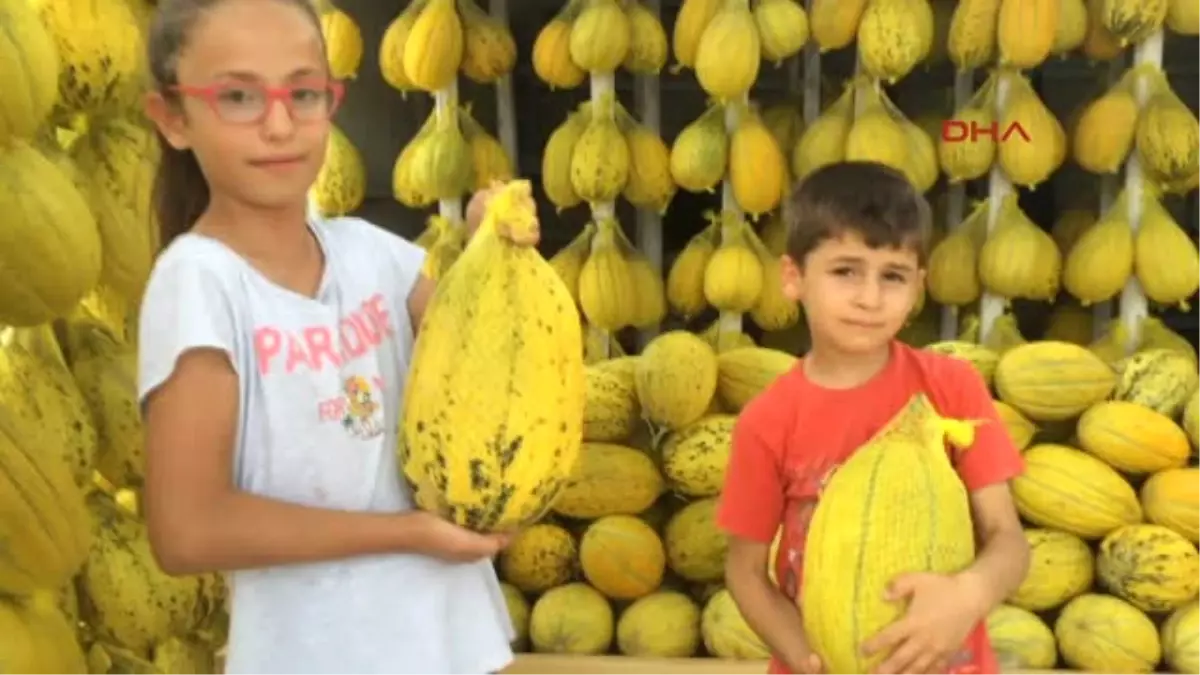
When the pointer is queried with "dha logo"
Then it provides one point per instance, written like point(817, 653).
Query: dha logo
point(958, 131)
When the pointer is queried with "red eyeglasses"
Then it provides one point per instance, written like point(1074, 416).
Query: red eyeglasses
point(249, 102)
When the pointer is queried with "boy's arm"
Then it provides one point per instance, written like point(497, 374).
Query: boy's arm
point(751, 509)
point(1003, 559)
point(985, 468)
point(769, 612)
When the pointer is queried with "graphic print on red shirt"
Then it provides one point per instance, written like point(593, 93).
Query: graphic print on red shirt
point(790, 439)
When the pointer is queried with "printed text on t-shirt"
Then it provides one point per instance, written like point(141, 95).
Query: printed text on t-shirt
point(320, 346)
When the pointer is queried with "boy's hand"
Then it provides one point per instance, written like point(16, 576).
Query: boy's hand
point(810, 665)
point(942, 612)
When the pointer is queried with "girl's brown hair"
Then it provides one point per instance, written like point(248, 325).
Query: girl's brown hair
point(181, 191)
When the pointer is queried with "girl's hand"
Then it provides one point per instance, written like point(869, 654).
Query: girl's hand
point(442, 539)
point(473, 215)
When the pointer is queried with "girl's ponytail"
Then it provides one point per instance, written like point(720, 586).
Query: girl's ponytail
point(180, 191)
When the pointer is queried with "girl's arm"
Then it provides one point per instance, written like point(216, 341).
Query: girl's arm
point(200, 522)
point(418, 300)
point(422, 291)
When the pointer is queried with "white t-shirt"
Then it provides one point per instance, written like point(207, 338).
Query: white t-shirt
point(321, 381)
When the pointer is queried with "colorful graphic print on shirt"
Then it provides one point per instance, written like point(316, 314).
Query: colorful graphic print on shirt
point(318, 347)
point(356, 406)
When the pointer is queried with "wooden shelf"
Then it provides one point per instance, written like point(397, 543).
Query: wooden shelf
point(563, 664)
point(566, 664)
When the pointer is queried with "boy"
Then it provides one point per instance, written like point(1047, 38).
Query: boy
point(856, 247)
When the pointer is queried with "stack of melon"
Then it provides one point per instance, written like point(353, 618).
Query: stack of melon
point(601, 153)
point(630, 560)
point(342, 183)
point(79, 588)
point(425, 48)
point(1110, 500)
point(725, 41)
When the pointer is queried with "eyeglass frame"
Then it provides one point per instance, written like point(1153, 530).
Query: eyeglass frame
point(209, 93)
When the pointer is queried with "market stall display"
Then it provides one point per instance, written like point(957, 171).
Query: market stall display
point(601, 153)
point(425, 49)
point(998, 256)
point(628, 563)
point(341, 185)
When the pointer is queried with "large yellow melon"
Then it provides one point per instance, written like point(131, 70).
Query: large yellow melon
point(30, 63)
point(1151, 566)
point(609, 480)
point(1132, 438)
point(1019, 429)
point(1070, 490)
point(491, 429)
point(676, 379)
point(571, 619)
point(1061, 567)
point(610, 412)
point(518, 614)
point(1172, 498)
point(102, 52)
point(622, 557)
point(126, 596)
point(1181, 639)
point(539, 557)
point(49, 226)
point(743, 373)
point(726, 633)
point(1104, 634)
point(1051, 381)
point(696, 547)
point(1020, 639)
point(694, 458)
point(664, 625)
point(117, 162)
point(1160, 379)
point(44, 529)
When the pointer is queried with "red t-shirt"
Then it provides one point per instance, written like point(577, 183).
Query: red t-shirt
point(788, 440)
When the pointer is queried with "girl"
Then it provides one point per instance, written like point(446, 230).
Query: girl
point(273, 350)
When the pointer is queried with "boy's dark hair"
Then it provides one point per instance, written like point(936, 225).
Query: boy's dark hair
point(869, 199)
point(180, 189)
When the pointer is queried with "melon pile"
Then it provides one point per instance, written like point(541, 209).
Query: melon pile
point(1109, 498)
point(630, 560)
point(80, 590)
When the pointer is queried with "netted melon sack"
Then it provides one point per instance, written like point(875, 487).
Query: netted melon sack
point(896, 506)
